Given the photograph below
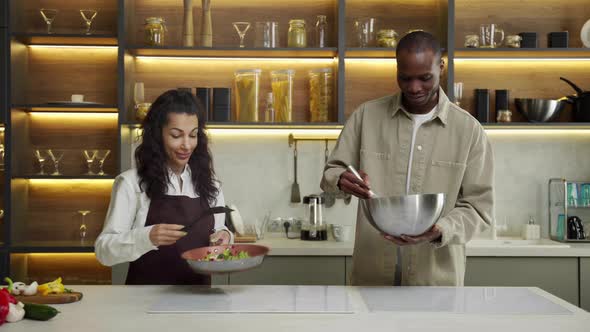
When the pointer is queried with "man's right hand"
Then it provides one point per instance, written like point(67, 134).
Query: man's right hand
point(350, 184)
point(166, 234)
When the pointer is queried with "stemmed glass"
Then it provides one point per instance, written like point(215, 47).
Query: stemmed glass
point(90, 155)
point(88, 15)
point(458, 91)
point(102, 156)
point(83, 228)
point(241, 28)
point(56, 158)
point(48, 15)
point(41, 156)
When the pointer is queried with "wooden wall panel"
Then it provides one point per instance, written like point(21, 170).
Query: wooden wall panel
point(52, 216)
point(69, 20)
point(224, 12)
point(523, 79)
point(541, 16)
point(54, 74)
point(398, 15)
point(75, 269)
point(160, 75)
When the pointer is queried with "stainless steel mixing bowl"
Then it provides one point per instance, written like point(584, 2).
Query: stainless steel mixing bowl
point(539, 110)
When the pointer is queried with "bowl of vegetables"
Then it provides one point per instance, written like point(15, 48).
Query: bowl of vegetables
point(225, 258)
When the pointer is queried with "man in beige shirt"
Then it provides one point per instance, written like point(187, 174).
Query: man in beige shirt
point(415, 142)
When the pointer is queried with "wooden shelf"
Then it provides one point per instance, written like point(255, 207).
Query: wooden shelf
point(263, 125)
point(67, 108)
point(65, 177)
point(233, 52)
point(67, 39)
point(370, 52)
point(52, 246)
point(540, 53)
point(537, 125)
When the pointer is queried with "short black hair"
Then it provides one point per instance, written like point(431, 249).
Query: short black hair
point(417, 42)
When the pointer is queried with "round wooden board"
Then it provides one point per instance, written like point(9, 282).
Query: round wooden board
point(51, 298)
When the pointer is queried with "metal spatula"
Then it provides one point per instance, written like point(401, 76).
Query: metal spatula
point(295, 192)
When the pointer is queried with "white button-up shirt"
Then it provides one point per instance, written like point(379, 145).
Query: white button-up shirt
point(125, 237)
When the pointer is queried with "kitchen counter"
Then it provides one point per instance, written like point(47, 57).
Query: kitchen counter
point(125, 308)
point(280, 246)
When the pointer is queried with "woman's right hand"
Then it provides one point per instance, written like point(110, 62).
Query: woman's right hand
point(166, 234)
point(350, 184)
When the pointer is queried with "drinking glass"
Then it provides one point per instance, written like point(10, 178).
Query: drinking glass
point(458, 92)
point(48, 15)
point(267, 34)
point(83, 229)
point(241, 28)
point(41, 157)
point(138, 93)
point(102, 156)
point(88, 16)
point(55, 156)
point(364, 29)
point(488, 34)
point(89, 156)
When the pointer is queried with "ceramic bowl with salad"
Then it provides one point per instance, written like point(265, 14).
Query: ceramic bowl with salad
point(225, 258)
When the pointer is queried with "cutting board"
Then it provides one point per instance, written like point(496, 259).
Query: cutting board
point(244, 239)
point(51, 298)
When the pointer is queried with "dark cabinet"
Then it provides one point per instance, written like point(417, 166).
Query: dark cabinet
point(3, 13)
point(4, 54)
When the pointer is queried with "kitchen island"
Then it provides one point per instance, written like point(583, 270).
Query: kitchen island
point(321, 308)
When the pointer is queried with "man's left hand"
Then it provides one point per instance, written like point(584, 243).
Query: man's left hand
point(404, 240)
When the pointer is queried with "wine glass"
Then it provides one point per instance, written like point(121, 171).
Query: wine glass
point(83, 228)
point(458, 91)
point(241, 28)
point(89, 156)
point(88, 15)
point(102, 156)
point(41, 156)
point(48, 15)
point(55, 156)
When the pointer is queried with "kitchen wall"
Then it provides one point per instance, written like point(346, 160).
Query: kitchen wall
point(257, 173)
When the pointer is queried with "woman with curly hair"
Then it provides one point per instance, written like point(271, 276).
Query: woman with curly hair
point(173, 185)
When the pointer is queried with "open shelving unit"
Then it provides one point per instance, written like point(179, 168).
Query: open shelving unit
point(40, 211)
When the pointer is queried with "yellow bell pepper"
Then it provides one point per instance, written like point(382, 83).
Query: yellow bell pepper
point(53, 287)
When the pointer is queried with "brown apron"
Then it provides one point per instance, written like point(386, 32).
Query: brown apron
point(165, 266)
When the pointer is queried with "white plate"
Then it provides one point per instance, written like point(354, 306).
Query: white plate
point(585, 34)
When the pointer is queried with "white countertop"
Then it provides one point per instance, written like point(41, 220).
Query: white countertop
point(281, 246)
point(125, 308)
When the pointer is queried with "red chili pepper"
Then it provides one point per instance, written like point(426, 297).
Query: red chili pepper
point(5, 299)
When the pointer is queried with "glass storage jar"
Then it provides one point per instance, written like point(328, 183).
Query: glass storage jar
point(297, 36)
point(471, 41)
point(387, 38)
point(513, 41)
point(247, 87)
point(320, 94)
point(155, 31)
point(282, 91)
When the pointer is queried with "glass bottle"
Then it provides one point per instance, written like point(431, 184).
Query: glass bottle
point(321, 27)
point(247, 87)
point(282, 82)
point(297, 36)
point(269, 113)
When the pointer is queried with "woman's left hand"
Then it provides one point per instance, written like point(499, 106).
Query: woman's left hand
point(220, 238)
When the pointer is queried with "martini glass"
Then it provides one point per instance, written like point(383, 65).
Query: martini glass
point(89, 156)
point(241, 28)
point(83, 228)
point(41, 157)
point(102, 156)
point(48, 15)
point(88, 15)
point(55, 156)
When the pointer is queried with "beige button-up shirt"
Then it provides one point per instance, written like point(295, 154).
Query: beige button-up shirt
point(452, 155)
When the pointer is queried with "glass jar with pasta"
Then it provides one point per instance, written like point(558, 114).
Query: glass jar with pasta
point(282, 82)
point(247, 87)
point(297, 35)
point(320, 94)
point(155, 31)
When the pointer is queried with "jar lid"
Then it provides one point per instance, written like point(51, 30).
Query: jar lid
point(283, 71)
point(248, 71)
point(321, 70)
point(154, 20)
point(297, 21)
point(307, 199)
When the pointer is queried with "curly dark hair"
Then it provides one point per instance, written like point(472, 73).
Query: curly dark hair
point(150, 155)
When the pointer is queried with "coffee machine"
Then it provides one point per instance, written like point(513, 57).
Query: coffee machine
point(313, 227)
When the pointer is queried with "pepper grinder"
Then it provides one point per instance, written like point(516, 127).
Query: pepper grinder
point(206, 25)
point(188, 30)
